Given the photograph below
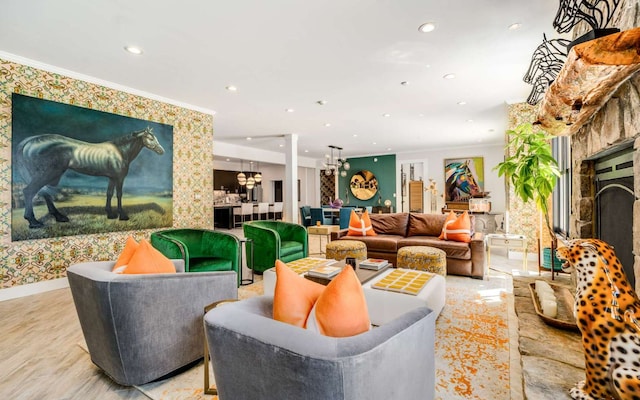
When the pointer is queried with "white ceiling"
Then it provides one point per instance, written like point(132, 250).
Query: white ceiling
point(289, 54)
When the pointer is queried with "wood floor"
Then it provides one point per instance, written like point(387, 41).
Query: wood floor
point(40, 357)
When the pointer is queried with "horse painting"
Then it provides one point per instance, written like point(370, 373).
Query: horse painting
point(43, 159)
point(460, 184)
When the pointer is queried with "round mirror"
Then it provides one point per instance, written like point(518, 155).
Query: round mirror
point(364, 185)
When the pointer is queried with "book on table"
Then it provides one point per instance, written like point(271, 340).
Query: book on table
point(324, 271)
point(373, 263)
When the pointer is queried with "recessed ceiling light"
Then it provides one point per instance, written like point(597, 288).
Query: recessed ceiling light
point(427, 27)
point(248, 137)
point(355, 135)
point(449, 76)
point(231, 88)
point(289, 110)
point(388, 148)
point(374, 143)
point(469, 120)
point(461, 103)
point(420, 115)
point(306, 151)
point(281, 145)
point(327, 124)
point(404, 83)
point(427, 65)
point(386, 115)
point(133, 50)
point(515, 26)
point(321, 102)
point(228, 159)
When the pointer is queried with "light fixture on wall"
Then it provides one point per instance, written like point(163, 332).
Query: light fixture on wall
point(242, 178)
point(333, 164)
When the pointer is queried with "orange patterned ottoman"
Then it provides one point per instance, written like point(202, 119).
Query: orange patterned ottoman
point(423, 258)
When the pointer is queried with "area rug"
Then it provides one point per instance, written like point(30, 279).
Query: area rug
point(472, 354)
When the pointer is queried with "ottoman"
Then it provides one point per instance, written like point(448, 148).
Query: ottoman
point(341, 249)
point(423, 258)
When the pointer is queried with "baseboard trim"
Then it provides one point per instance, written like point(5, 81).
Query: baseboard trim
point(33, 288)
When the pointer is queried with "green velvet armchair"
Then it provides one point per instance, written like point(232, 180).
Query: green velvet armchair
point(201, 249)
point(273, 240)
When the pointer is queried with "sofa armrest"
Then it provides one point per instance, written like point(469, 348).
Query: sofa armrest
point(295, 233)
point(265, 243)
point(170, 247)
point(477, 255)
point(339, 234)
point(223, 245)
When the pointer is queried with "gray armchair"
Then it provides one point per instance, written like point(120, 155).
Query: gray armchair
point(139, 328)
point(255, 357)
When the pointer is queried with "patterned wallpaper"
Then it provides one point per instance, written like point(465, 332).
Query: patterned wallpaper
point(40, 260)
point(524, 219)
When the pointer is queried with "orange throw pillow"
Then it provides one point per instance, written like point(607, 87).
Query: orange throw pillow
point(130, 248)
point(341, 310)
point(148, 260)
point(360, 226)
point(294, 296)
point(457, 229)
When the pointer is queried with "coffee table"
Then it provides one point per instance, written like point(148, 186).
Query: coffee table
point(385, 306)
point(364, 275)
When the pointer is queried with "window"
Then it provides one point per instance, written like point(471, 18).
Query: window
point(561, 209)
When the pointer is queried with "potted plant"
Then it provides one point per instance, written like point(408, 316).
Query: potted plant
point(532, 170)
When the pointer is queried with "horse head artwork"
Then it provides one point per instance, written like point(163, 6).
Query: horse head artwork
point(596, 13)
point(460, 183)
point(43, 159)
point(549, 56)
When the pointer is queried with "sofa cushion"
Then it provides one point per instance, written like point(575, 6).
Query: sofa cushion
point(360, 226)
point(425, 224)
point(457, 228)
point(383, 243)
point(288, 248)
point(390, 224)
point(456, 250)
point(294, 296)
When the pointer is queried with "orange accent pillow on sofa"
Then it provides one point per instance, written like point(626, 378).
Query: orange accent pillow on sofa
point(294, 296)
point(341, 310)
point(457, 229)
point(360, 226)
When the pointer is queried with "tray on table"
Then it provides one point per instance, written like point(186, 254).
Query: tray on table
point(564, 299)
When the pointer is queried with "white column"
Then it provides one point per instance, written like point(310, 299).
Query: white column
point(291, 210)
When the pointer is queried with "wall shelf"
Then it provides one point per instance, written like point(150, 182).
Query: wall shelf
point(592, 73)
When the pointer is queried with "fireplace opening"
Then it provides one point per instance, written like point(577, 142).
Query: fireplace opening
point(614, 206)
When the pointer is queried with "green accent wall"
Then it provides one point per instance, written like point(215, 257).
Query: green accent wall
point(385, 172)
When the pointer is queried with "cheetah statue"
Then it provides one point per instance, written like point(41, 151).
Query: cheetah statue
point(607, 312)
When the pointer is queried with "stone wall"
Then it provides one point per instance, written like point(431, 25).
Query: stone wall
point(617, 124)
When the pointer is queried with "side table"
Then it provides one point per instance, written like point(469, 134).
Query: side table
point(322, 230)
point(508, 241)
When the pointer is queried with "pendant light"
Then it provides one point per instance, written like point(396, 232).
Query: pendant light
point(251, 181)
point(242, 178)
point(258, 175)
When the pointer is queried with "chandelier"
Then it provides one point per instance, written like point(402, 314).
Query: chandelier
point(332, 165)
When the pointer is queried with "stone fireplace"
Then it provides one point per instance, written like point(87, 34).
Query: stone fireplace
point(599, 199)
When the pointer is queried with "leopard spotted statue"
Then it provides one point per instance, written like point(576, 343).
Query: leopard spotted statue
point(607, 311)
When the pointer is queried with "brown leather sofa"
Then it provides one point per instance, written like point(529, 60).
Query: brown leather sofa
point(398, 230)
